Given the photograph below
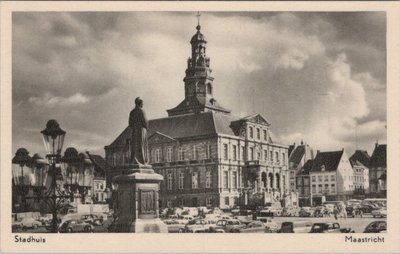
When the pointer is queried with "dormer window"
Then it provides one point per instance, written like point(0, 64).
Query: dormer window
point(323, 168)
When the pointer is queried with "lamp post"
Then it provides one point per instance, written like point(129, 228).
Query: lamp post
point(44, 176)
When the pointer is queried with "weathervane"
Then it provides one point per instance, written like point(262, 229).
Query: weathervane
point(198, 18)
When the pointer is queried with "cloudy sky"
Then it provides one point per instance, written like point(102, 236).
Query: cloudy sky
point(320, 77)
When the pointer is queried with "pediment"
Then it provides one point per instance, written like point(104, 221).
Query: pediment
point(259, 119)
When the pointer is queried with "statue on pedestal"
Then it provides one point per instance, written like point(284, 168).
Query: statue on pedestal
point(139, 144)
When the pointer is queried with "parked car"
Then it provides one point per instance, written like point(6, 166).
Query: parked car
point(296, 227)
point(382, 212)
point(319, 211)
point(16, 224)
point(329, 227)
point(174, 226)
point(273, 207)
point(184, 219)
point(92, 219)
point(306, 212)
point(199, 225)
point(379, 226)
point(253, 227)
point(30, 223)
point(227, 226)
point(367, 208)
point(263, 215)
point(290, 211)
point(71, 226)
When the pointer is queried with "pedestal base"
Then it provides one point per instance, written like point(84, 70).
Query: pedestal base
point(136, 203)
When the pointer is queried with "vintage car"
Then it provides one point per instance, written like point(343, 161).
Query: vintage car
point(329, 227)
point(199, 225)
point(381, 212)
point(295, 227)
point(30, 223)
point(71, 226)
point(379, 226)
point(306, 212)
point(253, 227)
point(174, 226)
point(227, 226)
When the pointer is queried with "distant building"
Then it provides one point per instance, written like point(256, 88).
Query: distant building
point(331, 177)
point(377, 172)
point(362, 156)
point(303, 184)
point(207, 156)
point(298, 156)
point(99, 190)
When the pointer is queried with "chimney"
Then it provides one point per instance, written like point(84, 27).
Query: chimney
point(376, 144)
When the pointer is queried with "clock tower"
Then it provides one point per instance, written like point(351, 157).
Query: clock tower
point(198, 81)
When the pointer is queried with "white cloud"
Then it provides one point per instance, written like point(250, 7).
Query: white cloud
point(49, 100)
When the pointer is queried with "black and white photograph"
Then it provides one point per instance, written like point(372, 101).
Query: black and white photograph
point(200, 121)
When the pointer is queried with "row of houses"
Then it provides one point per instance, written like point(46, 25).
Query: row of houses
point(333, 176)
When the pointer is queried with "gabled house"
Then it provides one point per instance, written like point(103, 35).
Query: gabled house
point(331, 177)
point(298, 156)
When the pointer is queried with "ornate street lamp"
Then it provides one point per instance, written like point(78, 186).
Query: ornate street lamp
point(44, 176)
point(21, 179)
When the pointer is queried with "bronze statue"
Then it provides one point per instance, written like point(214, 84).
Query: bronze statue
point(139, 144)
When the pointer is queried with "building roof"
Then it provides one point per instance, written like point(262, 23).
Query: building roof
point(184, 126)
point(305, 170)
point(361, 156)
point(330, 160)
point(378, 158)
point(98, 161)
point(297, 155)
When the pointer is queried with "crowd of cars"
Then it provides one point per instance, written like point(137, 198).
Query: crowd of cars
point(69, 223)
point(261, 220)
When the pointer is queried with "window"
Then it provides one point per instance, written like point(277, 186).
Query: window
point(181, 202)
point(320, 178)
point(276, 157)
point(226, 200)
point(209, 201)
point(284, 158)
point(314, 190)
point(313, 179)
point(319, 188)
point(157, 155)
point(225, 151)
point(251, 154)
point(333, 188)
point(258, 155)
point(251, 134)
point(181, 180)
point(194, 155)
point(270, 156)
point(326, 187)
point(265, 155)
point(299, 181)
point(225, 183)
point(208, 151)
point(326, 178)
point(128, 149)
point(234, 180)
point(258, 134)
point(242, 152)
point(234, 152)
point(265, 135)
point(208, 179)
point(195, 177)
point(114, 159)
point(306, 181)
point(169, 154)
point(169, 182)
point(181, 154)
point(333, 178)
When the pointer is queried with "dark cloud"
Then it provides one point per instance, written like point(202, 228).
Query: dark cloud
point(85, 68)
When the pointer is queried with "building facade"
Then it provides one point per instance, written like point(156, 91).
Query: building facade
point(208, 156)
point(299, 155)
point(303, 184)
point(377, 172)
point(331, 177)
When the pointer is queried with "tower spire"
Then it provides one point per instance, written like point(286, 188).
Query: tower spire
point(198, 20)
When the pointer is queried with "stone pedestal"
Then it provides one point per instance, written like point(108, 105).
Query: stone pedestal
point(136, 203)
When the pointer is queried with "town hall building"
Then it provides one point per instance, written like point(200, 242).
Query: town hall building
point(208, 156)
